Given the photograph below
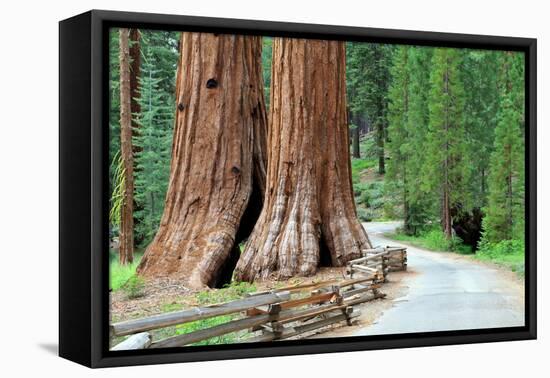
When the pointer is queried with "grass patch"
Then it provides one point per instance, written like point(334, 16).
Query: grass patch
point(507, 253)
point(230, 292)
point(233, 291)
point(433, 240)
point(120, 274)
point(370, 200)
point(360, 165)
point(171, 307)
point(134, 287)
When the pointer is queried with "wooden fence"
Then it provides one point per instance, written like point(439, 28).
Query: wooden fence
point(382, 260)
point(276, 314)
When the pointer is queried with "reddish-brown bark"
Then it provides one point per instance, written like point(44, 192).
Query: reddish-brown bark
point(126, 234)
point(309, 213)
point(218, 159)
point(135, 72)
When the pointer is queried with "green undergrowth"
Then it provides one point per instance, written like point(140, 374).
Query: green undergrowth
point(368, 186)
point(233, 291)
point(433, 240)
point(120, 274)
point(507, 253)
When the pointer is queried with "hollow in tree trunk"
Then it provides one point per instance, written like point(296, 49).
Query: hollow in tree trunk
point(126, 234)
point(309, 215)
point(218, 160)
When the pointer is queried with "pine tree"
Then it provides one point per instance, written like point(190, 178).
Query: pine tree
point(155, 119)
point(398, 174)
point(421, 202)
point(480, 76)
point(447, 167)
point(114, 104)
point(367, 81)
point(154, 141)
point(504, 219)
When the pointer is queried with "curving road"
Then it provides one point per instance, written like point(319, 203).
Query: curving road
point(447, 292)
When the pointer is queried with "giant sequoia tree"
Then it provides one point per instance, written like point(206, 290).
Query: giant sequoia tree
point(218, 160)
point(309, 216)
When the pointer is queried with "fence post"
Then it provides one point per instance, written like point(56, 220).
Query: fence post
point(277, 328)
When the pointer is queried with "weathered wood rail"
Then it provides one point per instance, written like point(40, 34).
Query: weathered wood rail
point(381, 260)
point(275, 314)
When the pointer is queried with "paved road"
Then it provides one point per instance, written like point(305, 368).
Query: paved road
point(447, 292)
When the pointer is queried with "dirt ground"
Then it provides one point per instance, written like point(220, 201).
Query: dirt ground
point(164, 295)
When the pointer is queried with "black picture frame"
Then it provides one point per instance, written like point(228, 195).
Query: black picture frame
point(83, 195)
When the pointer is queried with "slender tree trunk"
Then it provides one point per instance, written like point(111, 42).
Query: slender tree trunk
point(446, 219)
point(380, 146)
point(218, 160)
point(135, 73)
point(406, 206)
point(126, 234)
point(446, 215)
point(355, 142)
point(309, 208)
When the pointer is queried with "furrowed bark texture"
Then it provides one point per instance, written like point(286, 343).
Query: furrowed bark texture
point(217, 158)
point(309, 208)
point(135, 73)
point(126, 235)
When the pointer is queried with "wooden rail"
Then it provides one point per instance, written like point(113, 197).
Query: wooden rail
point(275, 314)
point(380, 260)
point(197, 313)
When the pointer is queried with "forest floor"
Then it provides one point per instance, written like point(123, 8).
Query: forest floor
point(163, 295)
point(439, 291)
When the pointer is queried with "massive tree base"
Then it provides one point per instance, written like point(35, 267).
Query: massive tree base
point(309, 214)
point(218, 159)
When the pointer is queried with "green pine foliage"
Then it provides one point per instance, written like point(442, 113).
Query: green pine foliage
point(408, 128)
point(154, 140)
point(480, 77)
point(114, 107)
point(447, 165)
point(505, 210)
point(421, 204)
point(398, 172)
point(368, 80)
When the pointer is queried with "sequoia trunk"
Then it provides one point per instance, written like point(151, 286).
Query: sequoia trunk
point(126, 234)
point(218, 159)
point(309, 214)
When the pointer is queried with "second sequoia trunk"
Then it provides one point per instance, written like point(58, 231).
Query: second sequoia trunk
point(309, 214)
point(218, 160)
